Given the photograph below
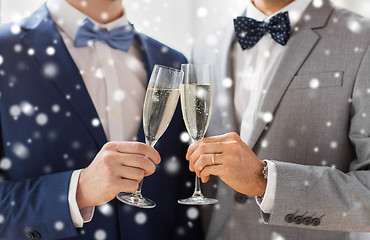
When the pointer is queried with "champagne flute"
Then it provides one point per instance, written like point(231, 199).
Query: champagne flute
point(161, 99)
point(196, 104)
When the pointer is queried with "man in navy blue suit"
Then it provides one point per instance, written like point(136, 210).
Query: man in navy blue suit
point(73, 77)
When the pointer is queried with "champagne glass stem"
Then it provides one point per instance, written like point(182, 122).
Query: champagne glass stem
point(197, 190)
point(138, 191)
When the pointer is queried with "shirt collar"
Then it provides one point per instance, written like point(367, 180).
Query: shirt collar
point(68, 18)
point(295, 9)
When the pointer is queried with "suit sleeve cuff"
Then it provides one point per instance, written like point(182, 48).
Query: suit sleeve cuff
point(79, 216)
point(266, 203)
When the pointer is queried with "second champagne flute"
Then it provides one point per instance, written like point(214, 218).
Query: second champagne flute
point(196, 106)
point(160, 103)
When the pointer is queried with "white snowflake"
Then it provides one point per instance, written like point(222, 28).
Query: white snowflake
point(55, 108)
point(41, 119)
point(1, 218)
point(100, 235)
point(20, 150)
point(50, 70)
point(354, 26)
point(202, 12)
point(95, 122)
point(267, 117)
point(314, 83)
point(27, 108)
point(333, 144)
point(1, 59)
point(15, 29)
point(184, 137)
point(59, 225)
point(227, 82)
point(264, 143)
point(118, 95)
point(172, 166)
point(106, 209)
point(276, 236)
point(140, 218)
point(99, 73)
point(15, 110)
point(5, 164)
point(17, 48)
point(104, 15)
point(317, 3)
point(50, 51)
point(192, 213)
point(211, 40)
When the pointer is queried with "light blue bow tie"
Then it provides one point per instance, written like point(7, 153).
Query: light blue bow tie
point(119, 38)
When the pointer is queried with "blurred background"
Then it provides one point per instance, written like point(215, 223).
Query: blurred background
point(177, 23)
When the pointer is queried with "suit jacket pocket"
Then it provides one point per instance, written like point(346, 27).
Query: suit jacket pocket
point(317, 80)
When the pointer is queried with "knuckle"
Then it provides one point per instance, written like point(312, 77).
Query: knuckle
point(109, 146)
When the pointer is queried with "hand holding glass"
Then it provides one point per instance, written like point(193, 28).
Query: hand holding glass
point(196, 105)
point(159, 106)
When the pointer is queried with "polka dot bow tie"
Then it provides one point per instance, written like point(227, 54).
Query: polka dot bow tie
point(249, 31)
point(118, 38)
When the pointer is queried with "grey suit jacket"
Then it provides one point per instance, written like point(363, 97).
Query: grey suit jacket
point(319, 137)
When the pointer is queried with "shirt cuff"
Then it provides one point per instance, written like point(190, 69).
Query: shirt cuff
point(268, 200)
point(78, 216)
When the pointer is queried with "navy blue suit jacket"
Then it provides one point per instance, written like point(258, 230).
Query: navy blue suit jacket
point(42, 145)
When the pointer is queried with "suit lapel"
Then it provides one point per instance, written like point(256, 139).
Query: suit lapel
point(149, 61)
point(297, 50)
point(42, 34)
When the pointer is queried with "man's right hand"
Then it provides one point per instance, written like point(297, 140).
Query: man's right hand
point(118, 167)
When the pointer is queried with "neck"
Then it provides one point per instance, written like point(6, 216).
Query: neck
point(269, 7)
point(101, 11)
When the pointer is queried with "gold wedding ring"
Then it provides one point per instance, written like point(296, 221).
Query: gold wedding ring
point(213, 159)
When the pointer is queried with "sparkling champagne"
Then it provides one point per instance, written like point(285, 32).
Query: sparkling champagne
point(196, 105)
point(159, 106)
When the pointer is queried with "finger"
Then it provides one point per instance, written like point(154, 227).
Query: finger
point(138, 161)
point(206, 160)
point(134, 148)
point(206, 148)
point(214, 139)
point(127, 185)
point(131, 173)
point(211, 170)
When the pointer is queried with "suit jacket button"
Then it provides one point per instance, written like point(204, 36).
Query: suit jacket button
point(36, 235)
point(289, 218)
point(316, 222)
point(240, 198)
point(307, 220)
point(29, 235)
point(298, 219)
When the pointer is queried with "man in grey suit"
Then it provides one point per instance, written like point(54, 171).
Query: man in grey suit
point(300, 99)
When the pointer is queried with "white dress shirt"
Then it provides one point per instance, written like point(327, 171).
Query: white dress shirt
point(116, 82)
point(253, 69)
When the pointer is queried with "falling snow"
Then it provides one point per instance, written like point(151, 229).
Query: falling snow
point(118, 95)
point(95, 122)
point(354, 26)
point(41, 119)
point(1, 218)
point(20, 150)
point(172, 166)
point(50, 70)
point(276, 236)
point(50, 51)
point(100, 235)
point(5, 164)
point(192, 213)
point(106, 209)
point(140, 218)
point(314, 83)
point(59, 225)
